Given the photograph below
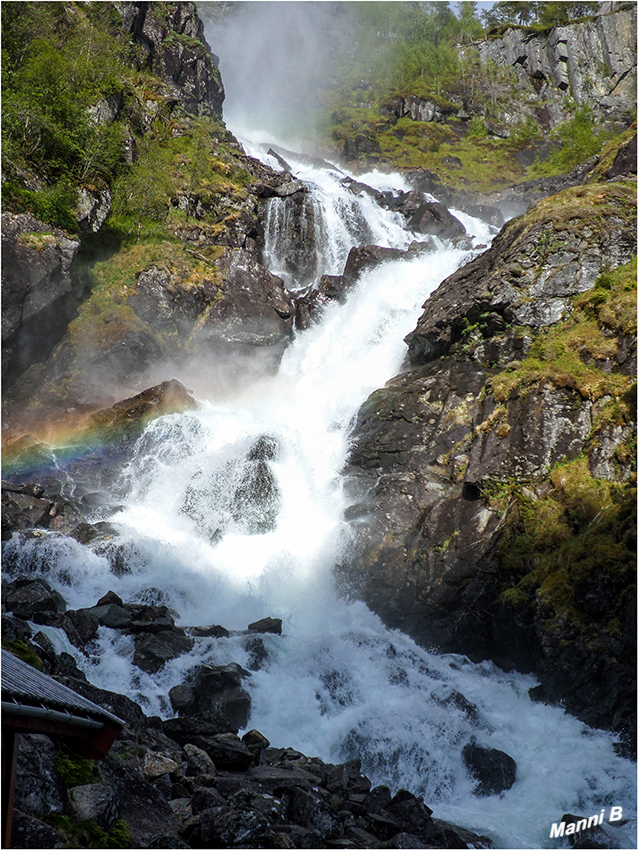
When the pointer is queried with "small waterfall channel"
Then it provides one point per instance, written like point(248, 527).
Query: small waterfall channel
point(234, 512)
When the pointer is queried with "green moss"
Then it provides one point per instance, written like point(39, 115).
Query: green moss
point(569, 353)
point(560, 548)
point(89, 834)
point(24, 652)
point(75, 770)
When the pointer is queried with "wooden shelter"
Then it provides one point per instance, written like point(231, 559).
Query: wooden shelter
point(34, 702)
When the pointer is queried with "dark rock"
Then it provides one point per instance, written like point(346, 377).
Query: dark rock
point(411, 813)
point(111, 615)
point(361, 144)
point(362, 259)
point(588, 838)
point(378, 799)
point(39, 290)
point(228, 752)
point(208, 631)
point(432, 218)
point(28, 597)
point(255, 741)
point(276, 779)
point(333, 287)
point(131, 415)
point(206, 798)
point(143, 807)
point(118, 704)
point(308, 810)
point(383, 827)
point(31, 833)
point(198, 760)
point(268, 625)
point(494, 770)
point(15, 629)
point(443, 831)
point(624, 163)
point(198, 729)
point(110, 598)
point(256, 501)
point(214, 688)
point(152, 651)
point(96, 802)
point(226, 826)
point(258, 652)
point(39, 788)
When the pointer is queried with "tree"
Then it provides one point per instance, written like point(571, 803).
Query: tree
point(471, 28)
point(144, 191)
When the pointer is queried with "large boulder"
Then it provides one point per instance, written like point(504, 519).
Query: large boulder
point(214, 688)
point(494, 770)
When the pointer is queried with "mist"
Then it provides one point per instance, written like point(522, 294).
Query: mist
point(274, 59)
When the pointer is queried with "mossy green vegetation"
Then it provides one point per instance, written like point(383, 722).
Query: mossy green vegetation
point(89, 834)
point(192, 170)
point(570, 553)
point(576, 352)
point(75, 770)
point(59, 60)
point(581, 138)
point(24, 652)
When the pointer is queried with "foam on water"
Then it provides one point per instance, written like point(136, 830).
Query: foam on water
point(338, 684)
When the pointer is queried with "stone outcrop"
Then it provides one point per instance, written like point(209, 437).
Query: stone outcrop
point(229, 312)
point(593, 62)
point(173, 37)
point(451, 456)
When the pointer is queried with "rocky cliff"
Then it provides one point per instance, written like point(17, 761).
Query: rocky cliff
point(493, 479)
point(592, 62)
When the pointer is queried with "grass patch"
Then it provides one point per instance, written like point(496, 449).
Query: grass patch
point(75, 770)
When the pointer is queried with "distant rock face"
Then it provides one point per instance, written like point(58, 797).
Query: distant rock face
point(427, 447)
point(593, 62)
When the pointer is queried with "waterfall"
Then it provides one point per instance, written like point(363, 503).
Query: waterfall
point(234, 512)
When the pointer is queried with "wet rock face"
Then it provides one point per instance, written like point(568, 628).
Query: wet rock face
point(38, 290)
point(432, 445)
point(231, 314)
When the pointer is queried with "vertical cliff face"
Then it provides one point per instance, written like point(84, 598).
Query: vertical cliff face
point(593, 62)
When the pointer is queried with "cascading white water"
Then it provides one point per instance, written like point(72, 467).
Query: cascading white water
point(234, 512)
